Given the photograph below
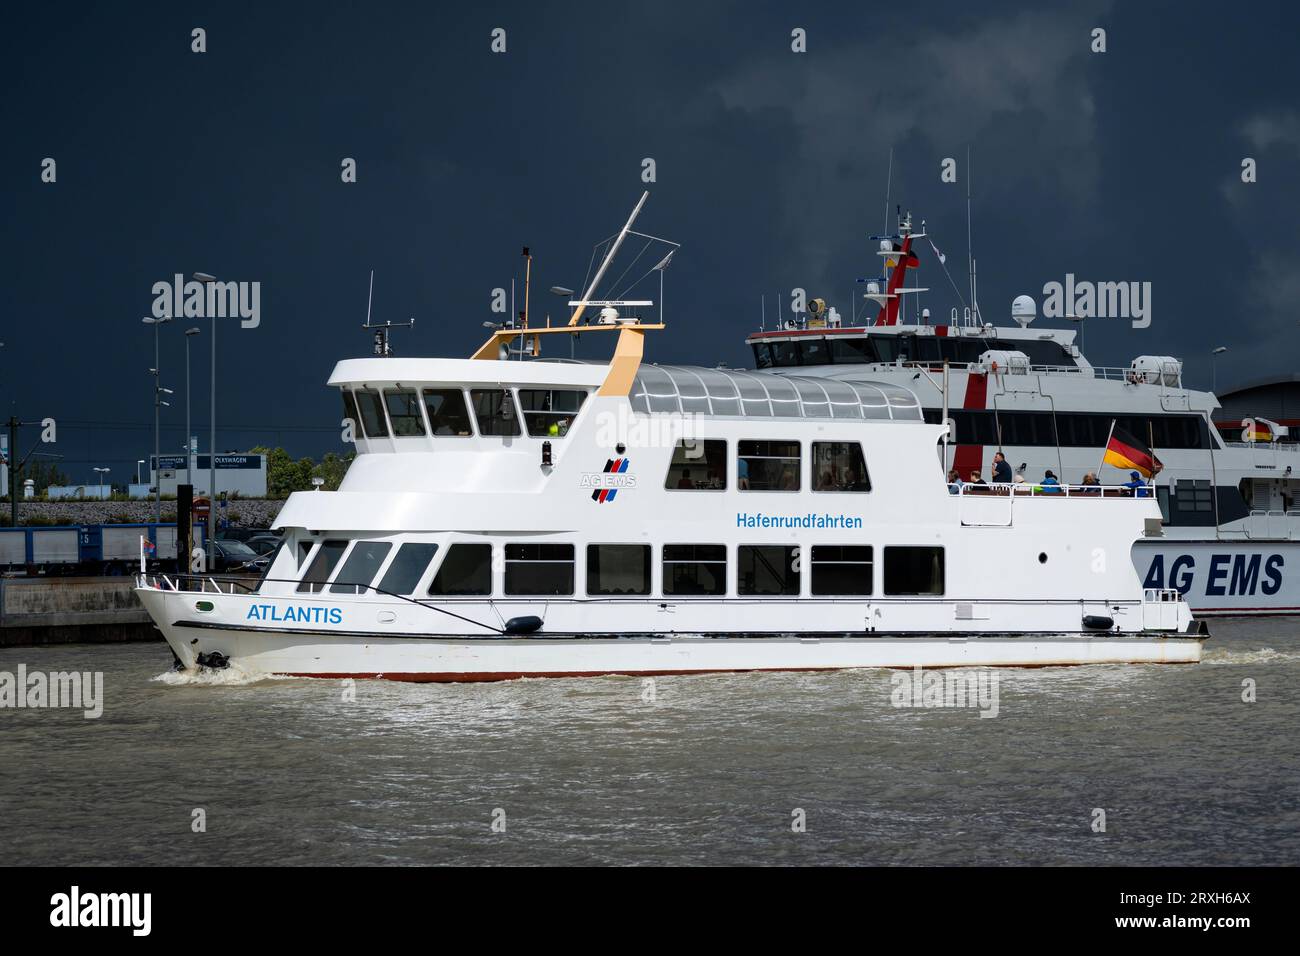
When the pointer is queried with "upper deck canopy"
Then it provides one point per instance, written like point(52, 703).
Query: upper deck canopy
point(730, 392)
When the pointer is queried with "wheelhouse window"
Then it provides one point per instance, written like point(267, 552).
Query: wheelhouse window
point(614, 569)
point(494, 408)
point(767, 569)
point(768, 466)
point(372, 413)
point(846, 351)
point(408, 567)
point(698, 465)
point(350, 410)
point(913, 570)
point(841, 569)
point(695, 569)
point(549, 412)
point(404, 412)
point(448, 414)
point(360, 568)
point(318, 572)
point(539, 569)
point(1194, 494)
point(466, 569)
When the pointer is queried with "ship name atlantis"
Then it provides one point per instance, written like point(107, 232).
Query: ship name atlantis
point(208, 300)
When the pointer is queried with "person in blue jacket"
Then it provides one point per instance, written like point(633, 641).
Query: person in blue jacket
point(1138, 487)
point(1050, 485)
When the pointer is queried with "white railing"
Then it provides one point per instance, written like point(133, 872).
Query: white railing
point(1028, 490)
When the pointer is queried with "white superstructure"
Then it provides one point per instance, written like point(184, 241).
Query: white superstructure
point(1230, 510)
point(541, 518)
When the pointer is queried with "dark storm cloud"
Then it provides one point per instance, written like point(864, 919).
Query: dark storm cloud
point(771, 172)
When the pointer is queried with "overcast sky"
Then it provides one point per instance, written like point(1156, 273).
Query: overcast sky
point(770, 164)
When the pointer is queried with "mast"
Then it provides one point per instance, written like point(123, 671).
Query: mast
point(609, 257)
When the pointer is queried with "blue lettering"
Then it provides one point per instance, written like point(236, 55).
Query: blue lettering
point(1181, 573)
point(1272, 574)
point(252, 614)
point(1245, 574)
point(336, 616)
point(1156, 574)
point(1218, 571)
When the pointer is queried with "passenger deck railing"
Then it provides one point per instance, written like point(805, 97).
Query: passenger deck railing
point(1029, 490)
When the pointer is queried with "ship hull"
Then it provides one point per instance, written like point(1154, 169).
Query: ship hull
point(1223, 578)
point(453, 658)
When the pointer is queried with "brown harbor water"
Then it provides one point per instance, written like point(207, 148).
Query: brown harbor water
point(706, 770)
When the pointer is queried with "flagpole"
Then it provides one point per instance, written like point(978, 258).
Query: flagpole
point(1109, 436)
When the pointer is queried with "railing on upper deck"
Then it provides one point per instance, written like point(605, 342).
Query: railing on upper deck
point(1028, 490)
point(1108, 373)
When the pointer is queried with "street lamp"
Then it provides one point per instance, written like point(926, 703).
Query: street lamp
point(212, 440)
point(100, 481)
point(158, 402)
point(189, 448)
point(139, 469)
point(1214, 369)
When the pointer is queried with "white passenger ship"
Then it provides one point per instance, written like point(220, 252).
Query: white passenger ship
point(1230, 541)
point(508, 519)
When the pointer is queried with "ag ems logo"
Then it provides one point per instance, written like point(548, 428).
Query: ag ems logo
point(608, 482)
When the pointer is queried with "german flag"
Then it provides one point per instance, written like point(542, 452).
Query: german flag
point(1124, 451)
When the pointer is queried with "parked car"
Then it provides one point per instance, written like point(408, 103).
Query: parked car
point(237, 557)
point(264, 544)
point(238, 533)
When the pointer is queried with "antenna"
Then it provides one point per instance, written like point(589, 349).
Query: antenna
point(970, 257)
point(382, 345)
point(889, 182)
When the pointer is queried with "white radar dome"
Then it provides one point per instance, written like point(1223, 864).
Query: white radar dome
point(1023, 310)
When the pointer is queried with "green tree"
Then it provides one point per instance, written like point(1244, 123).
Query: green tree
point(332, 469)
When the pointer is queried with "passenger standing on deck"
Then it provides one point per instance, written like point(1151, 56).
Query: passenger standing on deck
point(1001, 469)
point(1050, 484)
point(954, 482)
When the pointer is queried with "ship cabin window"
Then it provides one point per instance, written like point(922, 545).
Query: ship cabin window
point(852, 351)
point(549, 412)
point(327, 555)
point(841, 569)
point(695, 569)
point(814, 352)
point(350, 410)
point(372, 413)
point(408, 567)
point(762, 355)
point(913, 570)
point(495, 410)
point(304, 549)
point(466, 569)
point(614, 569)
point(404, 412)
point(539, 568)
point(448, 413)
point(767, 569)
point(785, 353)
point(699, 464)
point(839, 466)
point(768, 466)
point(1193, 494)
point(363, 563)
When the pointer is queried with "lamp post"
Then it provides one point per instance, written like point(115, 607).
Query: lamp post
point(139, 469)
point(100, 481)
point(212, 440)
point(1214, 367)
point(158, 392)
point(189, 447)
